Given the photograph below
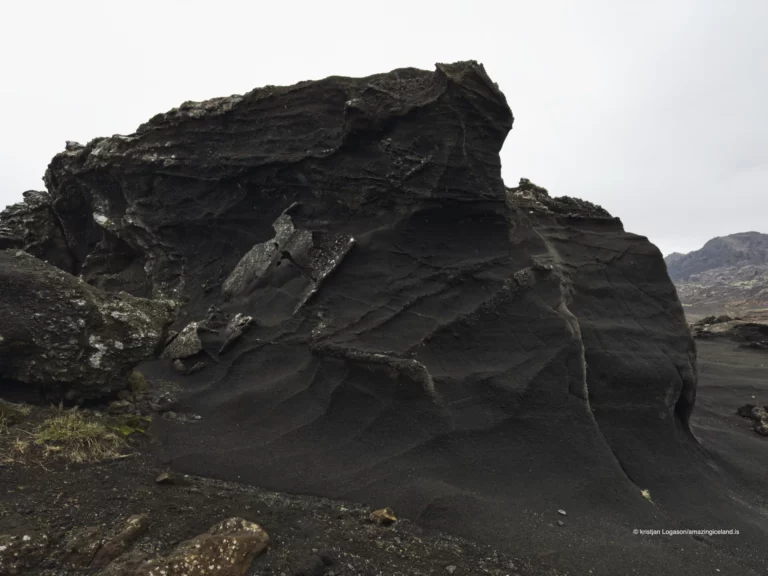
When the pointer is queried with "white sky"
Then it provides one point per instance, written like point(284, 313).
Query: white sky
point(657, 110)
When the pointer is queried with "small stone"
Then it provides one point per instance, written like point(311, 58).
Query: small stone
point(165, 478)
point(450, 569)
point(197, 367)
point(562, 512)
point(560, 523)
point(171, 415)
point(137, 383)
point(178, 365)
point(119, 407)
point(185, 345)
point(383, 516)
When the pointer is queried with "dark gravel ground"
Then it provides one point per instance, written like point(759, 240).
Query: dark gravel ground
point(309, 536)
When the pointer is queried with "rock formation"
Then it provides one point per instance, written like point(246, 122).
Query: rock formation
point(750, 334)
point(369, 313)
point(33, 226)
point(60, 335)
point(727, 275)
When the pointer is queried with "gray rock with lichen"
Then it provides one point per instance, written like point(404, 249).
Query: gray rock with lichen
point(185, 345)
point(61, 334)
point(227, 549)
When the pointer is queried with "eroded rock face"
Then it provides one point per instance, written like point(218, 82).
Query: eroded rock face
point(32, 225)
point(153, 215)
point(749, 334)
point(417, 333)
point(58, 333)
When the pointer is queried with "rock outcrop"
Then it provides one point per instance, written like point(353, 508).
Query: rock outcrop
point(61, 336)
point(369, 313)
point(728, 274)
point(750, 334)
point(33, 226)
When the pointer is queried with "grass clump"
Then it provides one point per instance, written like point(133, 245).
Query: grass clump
point(646, 494)
point(11, 413)
point(72, 436)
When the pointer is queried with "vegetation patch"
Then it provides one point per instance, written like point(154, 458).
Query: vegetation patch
point(78, 439)
point(646, 494)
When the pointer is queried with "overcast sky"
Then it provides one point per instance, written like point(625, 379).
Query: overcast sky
point(657, 110)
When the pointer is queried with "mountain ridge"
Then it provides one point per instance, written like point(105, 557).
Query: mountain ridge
point(729, 274)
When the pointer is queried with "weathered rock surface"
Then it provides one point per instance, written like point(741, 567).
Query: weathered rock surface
point(61, 335)
point(728, 274)
point(418, 334)
point(32, 225)
point(19, 553)
point(227, 549)
point(750, 334)
point(758, 414)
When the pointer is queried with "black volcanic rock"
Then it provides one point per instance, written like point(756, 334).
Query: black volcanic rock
point(33, 226)
point(371, 314)
point(729, 274)
point(749, 334)
point(61, 336)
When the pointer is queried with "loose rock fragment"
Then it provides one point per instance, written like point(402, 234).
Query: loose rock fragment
point(185, 345)
point(383, 516)
point(227, 549)
point(134, 527)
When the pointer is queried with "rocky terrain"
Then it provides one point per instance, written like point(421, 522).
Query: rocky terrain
point(327, 289)
point(751, 333)
point(728, 275)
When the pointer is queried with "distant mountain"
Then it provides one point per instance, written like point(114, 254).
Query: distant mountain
point(729, 274)
point(674, 257)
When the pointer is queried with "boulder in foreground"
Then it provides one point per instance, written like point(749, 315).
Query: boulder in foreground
point(60, 335)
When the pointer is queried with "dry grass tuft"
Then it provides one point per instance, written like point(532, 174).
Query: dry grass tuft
point(646, 494)
point(72, 436)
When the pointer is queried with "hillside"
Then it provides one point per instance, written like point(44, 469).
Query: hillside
point(728, 274)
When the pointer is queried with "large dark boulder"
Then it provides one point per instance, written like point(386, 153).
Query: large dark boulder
point(369, 313)
point(60, 336)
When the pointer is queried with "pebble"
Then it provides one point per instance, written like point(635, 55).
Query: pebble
point(450, 569)
point(562, 512)
point(165, 478)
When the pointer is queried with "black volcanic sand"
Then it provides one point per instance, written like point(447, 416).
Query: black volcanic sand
point(729, 378)
point(308, 536)
point(525, 540)
point(527, 476)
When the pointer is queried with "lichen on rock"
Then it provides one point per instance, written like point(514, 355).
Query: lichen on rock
point(227, 549)
point(67, 337)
